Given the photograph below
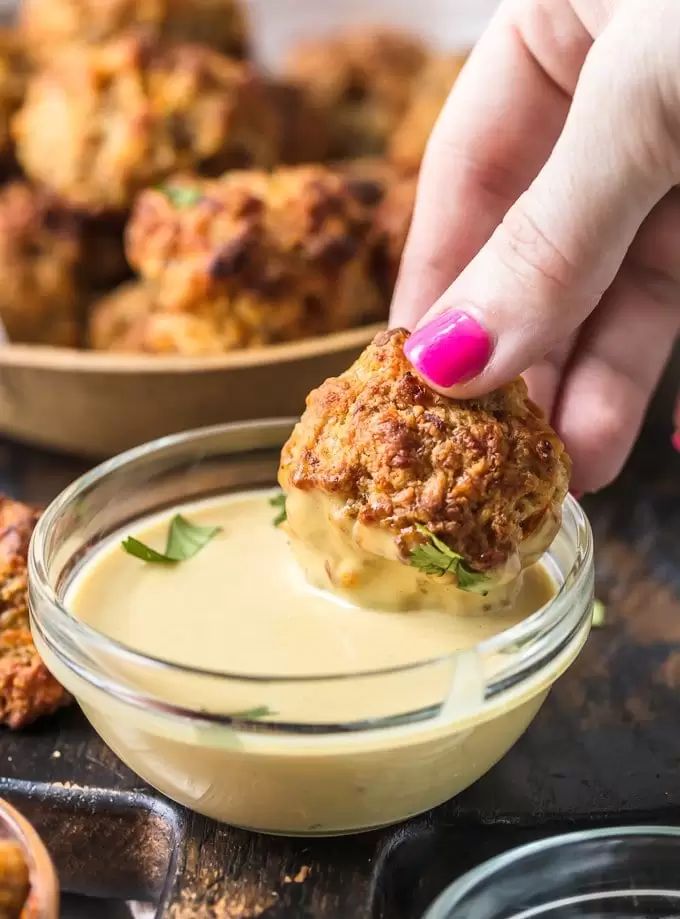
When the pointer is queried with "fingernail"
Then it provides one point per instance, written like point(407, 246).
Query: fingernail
point(576, 494)
point(675, 440)
point(451, 348)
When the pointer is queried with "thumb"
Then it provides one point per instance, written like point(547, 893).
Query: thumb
point(560, 246)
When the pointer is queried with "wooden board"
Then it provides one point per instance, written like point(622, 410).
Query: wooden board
point(605, 748)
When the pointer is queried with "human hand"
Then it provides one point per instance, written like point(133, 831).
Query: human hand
point(546, 233)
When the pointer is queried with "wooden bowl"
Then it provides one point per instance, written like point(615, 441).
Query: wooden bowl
point(95, 404)
point(43, 901)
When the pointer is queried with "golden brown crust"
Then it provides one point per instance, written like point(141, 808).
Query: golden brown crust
point(393, 219)
point(393, 211)
point(40, 250)
point(51, 26)
point(409, 139)
point(363, 81)
point(480, 474)
point(103, 122)
point(266, 257)
point(27, 689)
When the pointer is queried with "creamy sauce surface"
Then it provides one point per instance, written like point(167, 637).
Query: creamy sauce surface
point(243, 605)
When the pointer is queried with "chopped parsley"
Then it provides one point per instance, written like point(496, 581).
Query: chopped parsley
point(184, 540)
point(181, 196)
point(436, 558)
point(279, 502)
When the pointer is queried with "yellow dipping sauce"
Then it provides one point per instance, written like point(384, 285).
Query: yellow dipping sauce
point(242, 606)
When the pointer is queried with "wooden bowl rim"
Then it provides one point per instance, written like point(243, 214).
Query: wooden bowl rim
point(43, 876)
point(71, 359)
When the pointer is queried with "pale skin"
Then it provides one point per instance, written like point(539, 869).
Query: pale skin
point(548, 211)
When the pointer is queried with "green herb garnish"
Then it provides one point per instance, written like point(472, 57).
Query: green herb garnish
point(279, 501)
point(599, 614)
point(181, 196)
point(248, 714)
point(436, 558)
point(252, 714)
point(185, 539)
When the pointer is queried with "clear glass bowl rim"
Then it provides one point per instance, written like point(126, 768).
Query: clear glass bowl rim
point(452, 895)
point(540, 623)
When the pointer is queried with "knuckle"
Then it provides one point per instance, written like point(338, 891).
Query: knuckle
point(531, 255)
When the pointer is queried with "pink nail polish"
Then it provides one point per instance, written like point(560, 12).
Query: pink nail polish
point(675, 440)
point(450, 349)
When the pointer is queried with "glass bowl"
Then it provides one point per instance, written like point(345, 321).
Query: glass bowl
point(43, 897)
point(315, 765)
point(614, 872)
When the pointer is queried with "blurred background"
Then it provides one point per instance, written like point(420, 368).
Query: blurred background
point(197, 191)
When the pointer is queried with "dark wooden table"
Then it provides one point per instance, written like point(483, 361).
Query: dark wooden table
point(604, 749)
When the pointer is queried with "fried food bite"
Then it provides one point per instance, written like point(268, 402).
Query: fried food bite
point(13, 77)
point(380, 466)
point(430, 91)
point(27, 689)
point(129, 320)
point(363, 81)
point(41, 294)
point(117, 320)
point(393, 212)
point(262, 257)
point(103, 122)
point(393, 219)
point(51, 26)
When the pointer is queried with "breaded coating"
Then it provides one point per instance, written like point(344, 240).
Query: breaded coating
point(52, 26)
point(263, 257)
point(27, 689)
point(392, 214)
point(40, 251)
point(393, 219)
point(103, 122)
point(430, 91)
point(13, 77)
point(117, 321)
point(362, 80)
point(130, 320)
point(484, 475)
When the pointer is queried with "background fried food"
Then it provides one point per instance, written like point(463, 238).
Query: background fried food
point(363, 81)
point(265, 257)
point(480, 474)
point(430, 90)
point(27, 689)
point(41, 296)
point(13, 76)
point(50, 26)
point(134, 102)
point(103, 122)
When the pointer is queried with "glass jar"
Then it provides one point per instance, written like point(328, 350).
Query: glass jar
point(311, 766)
point(614, 872)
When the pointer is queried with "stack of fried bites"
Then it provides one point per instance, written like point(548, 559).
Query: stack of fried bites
point(257, 209)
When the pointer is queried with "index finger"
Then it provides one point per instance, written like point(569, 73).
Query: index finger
point(494, 134)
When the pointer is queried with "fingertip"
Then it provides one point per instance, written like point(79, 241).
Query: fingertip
point(449, 349)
